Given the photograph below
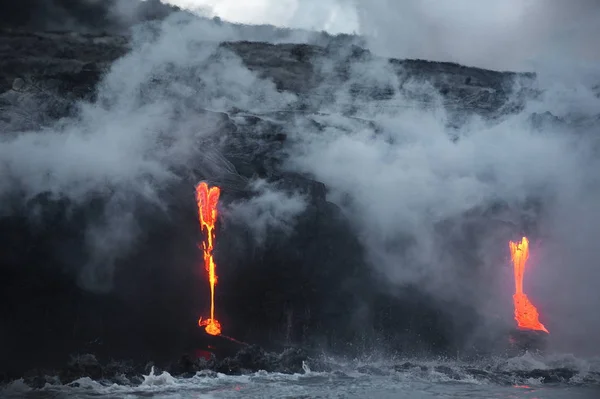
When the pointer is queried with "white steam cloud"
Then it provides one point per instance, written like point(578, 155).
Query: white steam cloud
point(399, 179)
point(396, 182)
point(395, 185)
point(503, 35)
point(132, 136)
point(332, 16)
point(151, 124)
point(269, 210)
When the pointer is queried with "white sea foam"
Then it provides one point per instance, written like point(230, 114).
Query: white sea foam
point(454, 377)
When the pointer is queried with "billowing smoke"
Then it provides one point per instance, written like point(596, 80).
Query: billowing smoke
point(270, 209)
point(408, 172)
point(399, 168)
point(400, 180)
point(333, 16)
point(153, 123)
point(506, 35)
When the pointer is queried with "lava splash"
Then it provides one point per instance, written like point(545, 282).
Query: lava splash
point(207, 199)
point(526, 314)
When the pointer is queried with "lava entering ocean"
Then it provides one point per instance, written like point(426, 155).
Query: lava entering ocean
point(207, 200)
point(526, 314)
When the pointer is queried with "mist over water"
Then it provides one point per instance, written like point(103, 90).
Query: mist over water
point(408, 178)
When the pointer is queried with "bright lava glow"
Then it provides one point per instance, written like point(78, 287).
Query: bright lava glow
point(526, 314)
point(207, 200)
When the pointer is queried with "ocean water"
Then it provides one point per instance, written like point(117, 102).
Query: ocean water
point(495, 378)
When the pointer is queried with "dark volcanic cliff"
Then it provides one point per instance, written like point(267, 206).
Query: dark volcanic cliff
point(310, 285)
point(54, 69)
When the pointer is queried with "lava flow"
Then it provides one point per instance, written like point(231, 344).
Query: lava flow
point(526, 314)
point(207, 200)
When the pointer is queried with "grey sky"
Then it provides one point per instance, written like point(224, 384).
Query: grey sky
point(507, 34)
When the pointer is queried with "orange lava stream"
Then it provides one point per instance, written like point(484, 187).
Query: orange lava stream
point(526, 314)
point(207, 200)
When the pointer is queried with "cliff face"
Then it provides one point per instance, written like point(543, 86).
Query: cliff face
point(303, 280)
point(54, 69)
point(87, 16)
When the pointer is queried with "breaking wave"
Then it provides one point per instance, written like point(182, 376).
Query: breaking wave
point(528, 372)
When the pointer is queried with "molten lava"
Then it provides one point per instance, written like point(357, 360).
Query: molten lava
point(526, 314)
point(207, 200)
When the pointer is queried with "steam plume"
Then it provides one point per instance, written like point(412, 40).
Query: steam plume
point(397, 181)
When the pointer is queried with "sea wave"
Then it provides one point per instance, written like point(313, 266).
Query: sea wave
point(529, 370)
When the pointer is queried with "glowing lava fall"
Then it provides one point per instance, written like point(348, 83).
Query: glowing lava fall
point(207, 199)
point(526, 314)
